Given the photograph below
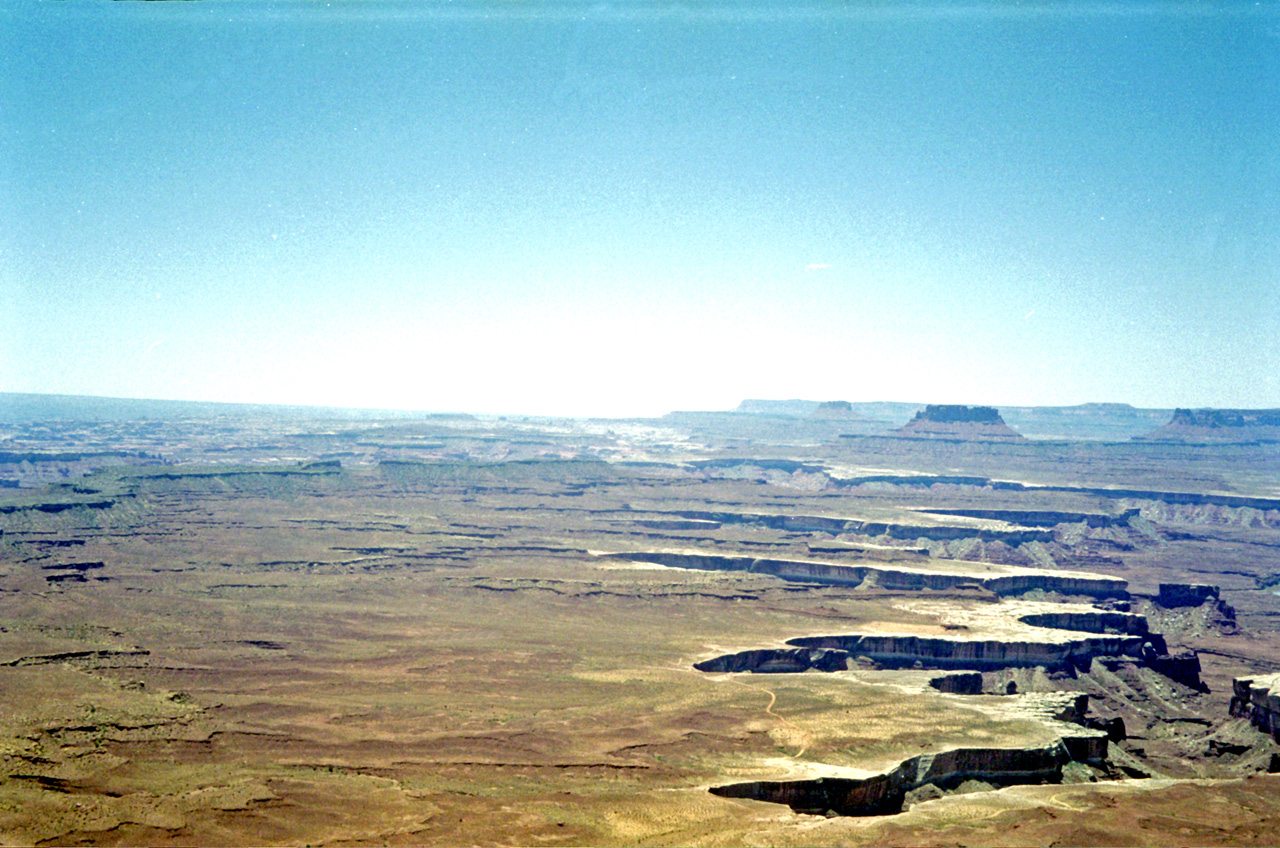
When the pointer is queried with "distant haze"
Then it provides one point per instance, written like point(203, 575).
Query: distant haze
point(628, 208)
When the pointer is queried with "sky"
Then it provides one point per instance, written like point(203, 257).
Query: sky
point(627, 208)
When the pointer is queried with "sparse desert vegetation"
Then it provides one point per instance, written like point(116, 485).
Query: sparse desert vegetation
point(258, 629)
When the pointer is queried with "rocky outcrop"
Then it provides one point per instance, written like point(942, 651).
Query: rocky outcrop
point(905, 651)
point(1217, 612)
point(778, 661)
point(1065, 584)
point(1176, 498)
point(1219, 425)
point(945, 533)
point(1100, 621)
point(1258, 699)
point(885, 794)
point(1182, 667)
point(1044, 518)
point(836, 653)
point(925, 480)
point(888, 577)
point(946, 421)
point(1185, 594)
point(59, 507)
point(961, 683)
point(773, 521)
point(1118, 640)
point(894, 530)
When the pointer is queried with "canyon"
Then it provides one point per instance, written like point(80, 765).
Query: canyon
point(258, 626)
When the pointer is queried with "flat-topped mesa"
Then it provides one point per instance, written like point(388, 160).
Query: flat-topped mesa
point(946, 413)
point(955, 421)
point(1219, 425)
point(834, 409)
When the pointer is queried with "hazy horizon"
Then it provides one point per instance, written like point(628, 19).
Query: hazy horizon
point(626, 209)
point(7, 406)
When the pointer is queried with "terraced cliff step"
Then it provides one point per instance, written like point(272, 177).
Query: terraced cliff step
point(1042, 517)
point(887, 793)
point(927, 480)
point(941, 575)
point(60, 506)
point(1011, 535)
point(840, 653)
point(837, 653)
point(1114, 639)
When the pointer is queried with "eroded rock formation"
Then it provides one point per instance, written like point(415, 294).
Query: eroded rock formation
point(1185, 594)
point(1044, 518)
point(893, 529)
point(1258, 699)
point(952, 421)
point(886, 793)
point(1012, 582)
point(1114, 638)
point(1219, 425)
point(904, 651)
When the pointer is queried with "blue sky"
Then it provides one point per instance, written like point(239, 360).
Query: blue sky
point(628, 208)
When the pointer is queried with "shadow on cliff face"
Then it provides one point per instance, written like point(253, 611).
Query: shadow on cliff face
point(930, 776)
point(1112, 636)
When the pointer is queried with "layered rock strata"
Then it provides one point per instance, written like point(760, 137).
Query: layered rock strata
point(1011, 534)
point(1010, 581)
point(928, 480)
point(886, 793)
point(1100, 621)
point(1043, 517)
point(837, 653)
point(1176, 498)
point(1258, 699)
point(1114, 639)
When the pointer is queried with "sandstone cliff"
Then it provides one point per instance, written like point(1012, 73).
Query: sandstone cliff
point(1185, 594)
point(1001, 581)
point(1012, 534)
point(887, 793)
point(1258, 699)
point(900, 651)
